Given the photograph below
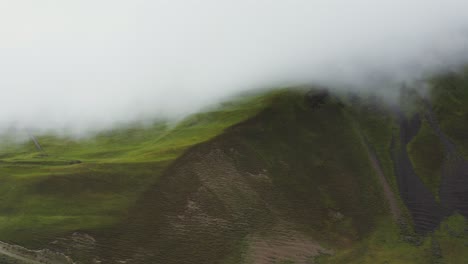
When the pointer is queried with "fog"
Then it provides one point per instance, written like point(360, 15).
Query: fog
point(87, 65)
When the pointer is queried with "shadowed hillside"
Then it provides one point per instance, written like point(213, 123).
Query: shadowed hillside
point(289, 168)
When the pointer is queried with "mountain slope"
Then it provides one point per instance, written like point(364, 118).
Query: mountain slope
point(292, 176)
point(88, 184)
point(288, 168)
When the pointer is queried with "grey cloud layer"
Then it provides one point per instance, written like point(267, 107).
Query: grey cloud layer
point(94, 63)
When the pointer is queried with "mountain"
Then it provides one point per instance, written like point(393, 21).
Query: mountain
point(288, 176)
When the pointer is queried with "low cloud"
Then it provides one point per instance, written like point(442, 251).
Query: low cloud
point(87, 65)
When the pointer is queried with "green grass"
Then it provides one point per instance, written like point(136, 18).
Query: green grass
point(453, 239)
point(160, 141)
point(386, 244)
point(377, 125)
point(44, 196)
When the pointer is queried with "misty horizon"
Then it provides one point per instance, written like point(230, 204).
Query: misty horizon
point(91, 65)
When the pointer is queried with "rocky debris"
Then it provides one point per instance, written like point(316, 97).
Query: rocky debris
point(335, 215)
point(284, 244)
point(33, 256)
point(82, 238)
point(77, 245)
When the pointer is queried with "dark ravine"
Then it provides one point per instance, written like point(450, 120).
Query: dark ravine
point(425, 211)
point(454, 182)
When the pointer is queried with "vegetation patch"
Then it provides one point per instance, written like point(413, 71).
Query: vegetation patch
point(449, 97)
point(427, 156)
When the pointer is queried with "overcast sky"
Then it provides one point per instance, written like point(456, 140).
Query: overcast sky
point(91, 63)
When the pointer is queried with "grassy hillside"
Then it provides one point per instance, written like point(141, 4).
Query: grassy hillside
point(292, 184)
point(284, 177)
point(45, 195)
point(294, 173)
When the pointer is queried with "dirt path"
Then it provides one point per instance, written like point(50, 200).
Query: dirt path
point(36, 142)
point(388, 193)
